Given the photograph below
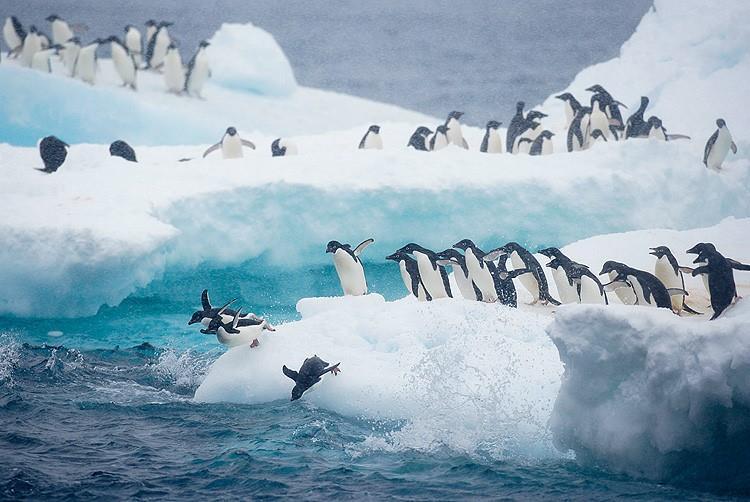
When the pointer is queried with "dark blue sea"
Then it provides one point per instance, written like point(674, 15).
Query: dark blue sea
point(102, 406)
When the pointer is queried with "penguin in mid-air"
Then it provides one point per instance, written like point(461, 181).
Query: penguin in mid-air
point(349, 266)
point(575, 282)
point(636, 127)
point(515, 127)
point(454, 133)
point(457, 261)
point(309, 374)
point(121, 149)
point(239, 331)
point(439, 140)
point(174, 71)
point(718, 146)
point(61, 32)
point(492, 143)
point(198, 71)
point(418, 139)
point(371, 140)
point(124, 62)
point(648, 289)
point(481, 272)
point(86, 62)
point(282, 147)
point(53, 152)
point(410, 275)
point(208, 312)
point(134, 44)
point(14, 35)
point(521, 259)
point(668, 271)
point(231, 145)
point(434, 276)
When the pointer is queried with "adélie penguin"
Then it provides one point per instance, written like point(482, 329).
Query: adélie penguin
point(208, 312)
point(134, 44)
point(239, 331)
point(575, 282)
point(124, 62)
point(174, 71)
point(718, 146)
point(515, 127)
point(572, 105)
point(283, 147)
point(158, 46)
point(721, 288)
point(521, 258)
point(439, 140)
point(61, 32)
point(648, 289)
point(31, 45)
point(198, 71)
point(86, 62)
point(668, 271)
point(231, 145)
point(14, 35)
point(121, 149)
point(371, 140)
point(457, 261)
point(454, 133)
point(636, 127)
point(418, 139)
point(481, 273)
point(349, 266)
point(434, 276)
point(309, 374)
point(506, 290)
point(53, 152)
point(492, 143)
point(69, 54)
point(542, 145)
point(410, 275)
point(41, 60)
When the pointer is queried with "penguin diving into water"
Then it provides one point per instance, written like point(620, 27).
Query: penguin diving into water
point(239, 331)
point(53, 151)
point(718, 146)
point(309, 374)
point(231, 145)
point(207, 312)
point(371, 140)
point(349, 266)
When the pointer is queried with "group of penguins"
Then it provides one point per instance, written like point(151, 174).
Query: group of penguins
point(233, 329)
point(484, 276)
point(34, 49)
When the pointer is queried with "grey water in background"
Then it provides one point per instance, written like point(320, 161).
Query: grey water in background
point(428, 55)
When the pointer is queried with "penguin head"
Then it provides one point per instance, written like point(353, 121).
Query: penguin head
point(546, 134)
point(519, 106)
point(654, 122)
point(720, 123)
point(566, 96)
point(128, 27)
point(172, 46)
point(702, 247)
point(204, 44)
point(375, 129)
point(550, 252)
point(196, 317)
point(465, 244)
point(451, 254)
point(644, 101)
point(535, 114)
point(455, 115)
point(333, 246)
point(511, 246)
point(412, 247)
point(74, 40)
point(598, 134)
point(397, 256)
point(612, 266)
point(493, 124)
point(150, 23)
point(660, 251)
point(423, 131)
point(231, 131)
point(554, 263)
point(52, 18)
point(596, 88)
point(297, 392)
point(442, 129)
point(32, 29)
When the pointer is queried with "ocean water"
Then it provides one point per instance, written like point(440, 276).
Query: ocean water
point(102, 406)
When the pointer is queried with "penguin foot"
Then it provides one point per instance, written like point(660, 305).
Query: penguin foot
point(335, 371)
point(254, 344)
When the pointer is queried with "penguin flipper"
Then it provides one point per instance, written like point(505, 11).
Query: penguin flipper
point(709, 145)
point(515, 273)
point(248, 143)
point(493, 255)
point(733, 146)
point(290, 373)
point(677, 291)
point(670, 137)
point(362, 245)
point(212, 148)
point(477, 292)
point(446, 282)
point(614, 285)
point(737, 265)
point(466, 145)
point(689, 310)
point(700, 270)
point(205, 301)
point(331, 369)
point(686, 270)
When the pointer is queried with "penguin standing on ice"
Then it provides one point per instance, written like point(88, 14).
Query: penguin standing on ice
point(198, 71)
point(572, 105)
point(530, 130)
point(309, 374)
point(492, 143)
point(282, 147)
point(457, 261)
point(481, 272)
point(636, 127)
point(515, 127)
point(503, 278)
point(31, 45)
point(124, 62)
point(668, 271)
point(434, 276)
point(14, 35)
point(41, 60)
point(610, 107)
point(174, 71)
point(578, 130)
point(542, 145)
point(410, 275)
point(69, 54)
point(454, 133)
point(158, 46)
point(721, 285)
point(648, 289)
point(121, 149)
point(349, 266)
point(655, 130)
point(521, 258)
point(418, 140)
point(53, 151)
point(575, 282)
point(371, 140)
point(61, 32)
point(86, 62)
point(231, 145)
point(134, 44)
point(439, 140)
point(151, 27)
point(718, 146)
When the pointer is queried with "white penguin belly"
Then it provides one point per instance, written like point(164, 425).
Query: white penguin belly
point(566, 292)
point(599, 121)
point(431, 278)
point(61, 32)
point(665, 273)
point(494, 143)
point(373, 142)
point(291, 148)
point(245, 336)
point(351, 274)
point(547, 147)
point(174, 72)
point(160, 48)
point(528, 281)
point(86, 65)
point(441, 141)
point(455, 135)
point(464, 283)
point(12, 40)
point(123, 64)
point(719, 150)
point(133, 43)
point(639, 293)
point(421, 296)
point(69, 56)
point(482, 277)
point(199, 75)
point(40, 61)
point(626, 295)
point(31, 46)
point(657, 133)
point(590, 292)
point(231, 147)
